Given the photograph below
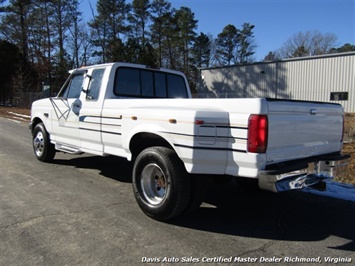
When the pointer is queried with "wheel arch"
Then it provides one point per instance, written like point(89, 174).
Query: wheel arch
point(35, 121)
point(142, 140)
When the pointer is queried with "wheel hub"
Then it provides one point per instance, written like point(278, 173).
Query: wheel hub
point(153, 184)
point(38, 144)
point(160, 182)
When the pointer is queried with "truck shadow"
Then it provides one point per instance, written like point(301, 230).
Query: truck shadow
point(111, 166)
point(233, 210)
point(291, 216)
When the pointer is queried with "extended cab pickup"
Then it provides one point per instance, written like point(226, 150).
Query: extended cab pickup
point(147, 116)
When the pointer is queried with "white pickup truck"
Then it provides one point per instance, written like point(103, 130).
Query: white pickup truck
point(147, 116)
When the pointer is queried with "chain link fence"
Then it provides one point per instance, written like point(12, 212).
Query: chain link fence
point(23, 99)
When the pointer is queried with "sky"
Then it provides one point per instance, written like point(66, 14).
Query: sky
point(275, 20)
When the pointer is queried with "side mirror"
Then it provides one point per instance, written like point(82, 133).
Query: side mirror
point(76, 106)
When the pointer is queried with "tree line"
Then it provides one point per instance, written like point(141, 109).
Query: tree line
point(41, 39)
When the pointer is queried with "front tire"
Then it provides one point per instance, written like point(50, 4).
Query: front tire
point(44, 150)
point(160, 183)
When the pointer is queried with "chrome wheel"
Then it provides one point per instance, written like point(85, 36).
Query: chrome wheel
point(160, 183)
point(38, 144)
point(154, 184)
point(42, 147)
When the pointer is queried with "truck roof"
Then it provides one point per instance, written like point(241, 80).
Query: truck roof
point(127, 65)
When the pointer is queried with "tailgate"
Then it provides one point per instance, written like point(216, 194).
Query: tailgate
point(299, 129)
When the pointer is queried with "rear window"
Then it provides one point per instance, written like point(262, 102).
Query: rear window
point(143, 83)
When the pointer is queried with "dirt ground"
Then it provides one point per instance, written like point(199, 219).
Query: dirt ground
point(349, 141)
point(349, 147)
point(5, 111)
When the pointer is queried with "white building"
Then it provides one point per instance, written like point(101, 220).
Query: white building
point(326, 78)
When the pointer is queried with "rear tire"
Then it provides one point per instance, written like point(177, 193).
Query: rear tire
point(160, 183)
point(44, 150)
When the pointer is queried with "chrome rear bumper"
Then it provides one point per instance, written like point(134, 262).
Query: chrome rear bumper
point(288, 176)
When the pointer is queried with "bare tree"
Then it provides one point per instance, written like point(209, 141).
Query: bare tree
point(307, 43)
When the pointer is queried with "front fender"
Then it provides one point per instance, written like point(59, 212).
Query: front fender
point(41, 112)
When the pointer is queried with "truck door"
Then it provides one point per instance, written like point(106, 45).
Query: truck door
point(90, 115)
point(66, 112)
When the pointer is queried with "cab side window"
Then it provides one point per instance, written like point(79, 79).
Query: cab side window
point(73, 88)
point(95, 84)
point(127, 82)
point(147, 84)
point(160, 85)
point(141, 83)
point(176, 87)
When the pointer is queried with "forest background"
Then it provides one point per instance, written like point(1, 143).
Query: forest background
point(40, 40)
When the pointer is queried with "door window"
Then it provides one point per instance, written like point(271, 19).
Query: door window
point(73, 87)
point(95, 84)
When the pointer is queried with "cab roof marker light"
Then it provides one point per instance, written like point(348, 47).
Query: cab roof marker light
point(152, 67)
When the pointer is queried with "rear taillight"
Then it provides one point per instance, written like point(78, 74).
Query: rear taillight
point(257, 133)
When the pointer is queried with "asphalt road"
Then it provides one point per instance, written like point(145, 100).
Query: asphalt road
point(81, 210)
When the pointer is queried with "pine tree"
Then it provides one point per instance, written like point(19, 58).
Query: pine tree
point(139, 19)
point(76, 31)
point(271, 56)
point(187, 24)
point(107, 26)
point(14, 25)
point(161, 17)
point(201, 51)
point(245, 44)
point(226, 43)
